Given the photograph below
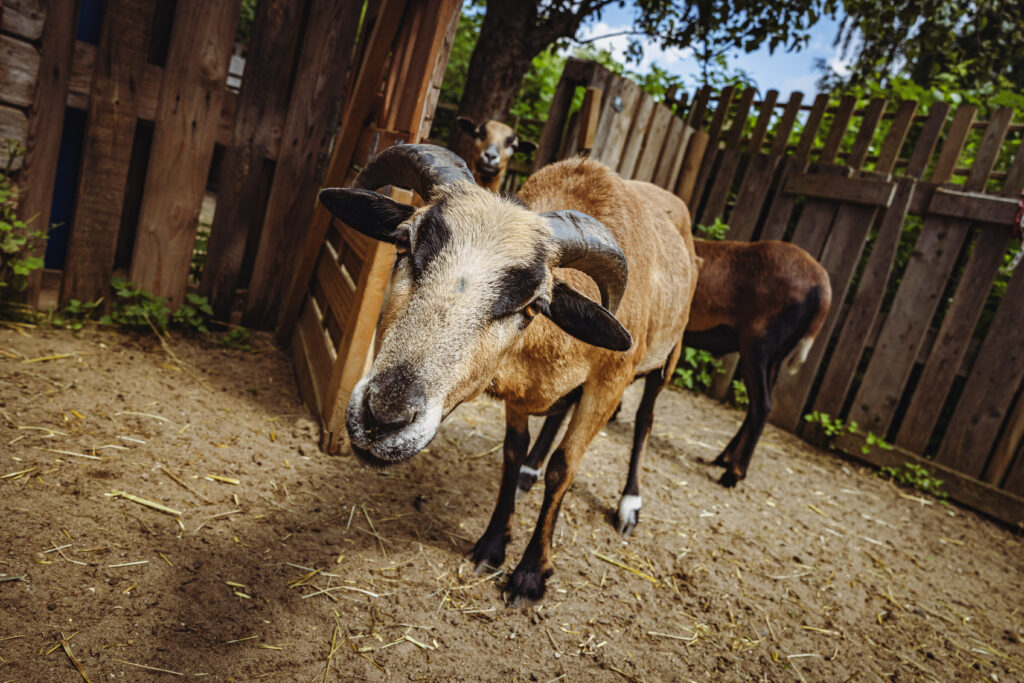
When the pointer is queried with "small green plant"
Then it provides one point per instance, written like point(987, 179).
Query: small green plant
point(138, 309)
point(696, 369)
point(18, 241)
point(835, 427)
point(714, 232)
point(238, 339)
point(75, 314)
point(193, 314)
point(917, 477)
point(740, 398)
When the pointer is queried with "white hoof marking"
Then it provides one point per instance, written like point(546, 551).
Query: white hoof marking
point(629, 513)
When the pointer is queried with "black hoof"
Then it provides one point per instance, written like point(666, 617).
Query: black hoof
point(729, 479)
point(526, 585)
point(489, 553)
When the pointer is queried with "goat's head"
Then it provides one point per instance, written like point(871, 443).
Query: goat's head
point(471, 273)
point(495, 144)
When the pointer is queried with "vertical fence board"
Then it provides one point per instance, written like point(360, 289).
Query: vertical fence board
point(187, 118)
point(647, 162)
point(710, 159)
point(670, 154)
point(957, 327)
point(929, 268)
point(1011, 441)
point(46, 123)
point(325, 53)
point(782, 204)
point(358, 108)
point(638, 133)
point(728, 163)
point(262, 104)
point(990, 387)
point(107, 150)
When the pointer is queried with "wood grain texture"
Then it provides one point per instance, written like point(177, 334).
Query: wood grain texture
point(377, 43)
point(19, 71)
point(637, 134)
point(107, 151)
point(654, 142)
point(325, 50)
point(24, 18)
point(46, 123)
point(186, 122)
point(921, 287)
point(262, 105)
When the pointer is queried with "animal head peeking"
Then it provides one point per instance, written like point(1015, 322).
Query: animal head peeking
point(473, 270)
point(495, 143)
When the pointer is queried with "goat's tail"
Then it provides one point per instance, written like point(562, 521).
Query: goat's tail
point(799, 356)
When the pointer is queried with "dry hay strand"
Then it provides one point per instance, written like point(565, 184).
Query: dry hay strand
point(63, 643)
point(149, 668)
point(152, 504)
point(620, 565)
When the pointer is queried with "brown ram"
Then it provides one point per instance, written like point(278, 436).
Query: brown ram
point(498, 296)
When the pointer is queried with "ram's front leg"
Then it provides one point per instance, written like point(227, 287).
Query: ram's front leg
point(489, 551)
point(595, 407)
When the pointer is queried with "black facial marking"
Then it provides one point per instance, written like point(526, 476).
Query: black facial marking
point(516, 286)
point(432, 235)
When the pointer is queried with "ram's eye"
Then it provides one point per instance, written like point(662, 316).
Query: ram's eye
point(532, 309)
point(402, 244)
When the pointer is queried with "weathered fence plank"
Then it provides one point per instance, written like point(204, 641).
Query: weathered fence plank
point(647, 162)
point(642, 118)
point(46, 122)
point(325, 53)
point(185, 131)
point(262, 105)
point(930, 266)
point(107, 152)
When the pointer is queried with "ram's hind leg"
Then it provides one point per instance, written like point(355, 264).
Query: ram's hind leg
point(530, 469)
point(628, 514)
point(489, 551)
point(595, 407)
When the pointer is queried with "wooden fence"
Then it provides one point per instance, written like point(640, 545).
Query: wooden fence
point(923, 345)
point(338, 286)
point(162, 130)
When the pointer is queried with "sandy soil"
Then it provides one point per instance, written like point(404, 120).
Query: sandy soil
point(297, 566)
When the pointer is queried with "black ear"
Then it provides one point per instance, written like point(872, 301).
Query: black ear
point(467, 126)
point(525, 146)
point(586, 320)
point(370, 213)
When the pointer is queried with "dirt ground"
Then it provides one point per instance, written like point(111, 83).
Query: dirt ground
point(287, 564)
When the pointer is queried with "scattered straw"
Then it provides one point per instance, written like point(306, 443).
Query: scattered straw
point(159, 507)
point(127, 564)
point(5, 579)
point(226, 480)
point(71, 453)
point(184, 485)
point(620, 565)
point(19, 474)
point(138, 414)
point(67, 651)
point(217, 516)
point(149, 668)
point(43, 359)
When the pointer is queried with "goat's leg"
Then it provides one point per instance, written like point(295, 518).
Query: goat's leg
point(628, 514)
point(530, 469)
point(595, 407)
point(489, 551)
point(755, 373)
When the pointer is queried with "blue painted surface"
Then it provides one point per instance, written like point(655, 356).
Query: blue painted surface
point(69, 163)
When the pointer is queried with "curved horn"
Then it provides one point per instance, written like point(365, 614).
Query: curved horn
point(584, 243)
point(418, 167)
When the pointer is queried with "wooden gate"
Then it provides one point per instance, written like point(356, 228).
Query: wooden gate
point(336, 293)
point(911, 215)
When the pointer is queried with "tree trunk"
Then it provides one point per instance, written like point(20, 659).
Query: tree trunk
point(499, 62)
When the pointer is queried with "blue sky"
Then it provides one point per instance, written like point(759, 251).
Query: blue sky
point(784, 71)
